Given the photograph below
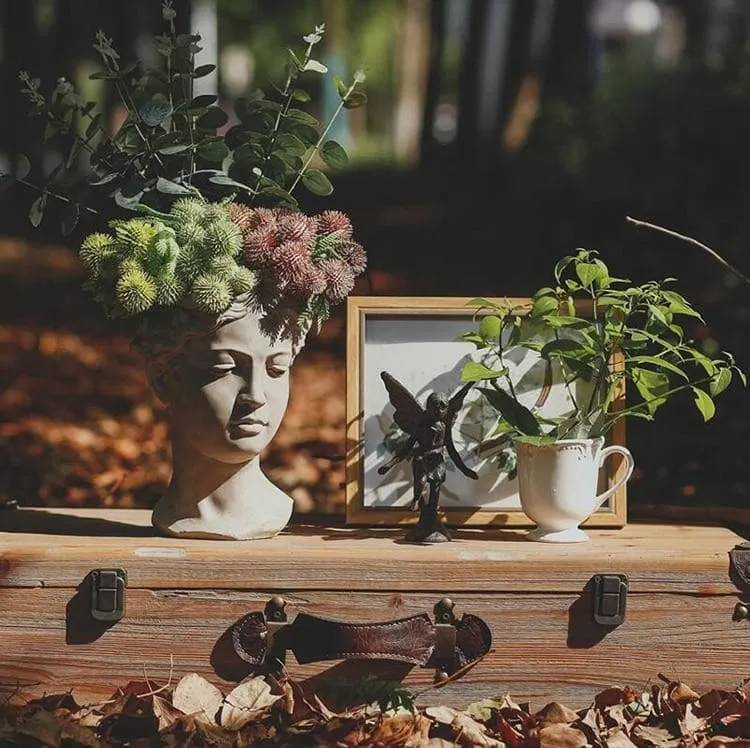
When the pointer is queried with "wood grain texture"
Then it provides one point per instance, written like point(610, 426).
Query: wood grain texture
point(57, 548)
point(612, 514)
point(545, 647)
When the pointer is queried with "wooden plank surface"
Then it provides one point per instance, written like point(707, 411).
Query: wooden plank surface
point(545, 647)
point(57, 548)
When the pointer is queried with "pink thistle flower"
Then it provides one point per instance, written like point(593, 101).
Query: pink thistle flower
point(339, 279)
point(334, 220)
point(355, 256)
point(262, 218)
point(242, 215)
point(291, 264)
point(296, 227)
point(260, 246)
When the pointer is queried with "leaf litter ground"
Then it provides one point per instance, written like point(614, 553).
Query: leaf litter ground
point(266, 711)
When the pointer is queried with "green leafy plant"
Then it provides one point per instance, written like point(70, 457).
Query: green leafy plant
point(386, 694)
point(595, 333)
point(208, 201)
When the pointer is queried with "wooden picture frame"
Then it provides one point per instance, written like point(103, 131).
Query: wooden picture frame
point(417, 340)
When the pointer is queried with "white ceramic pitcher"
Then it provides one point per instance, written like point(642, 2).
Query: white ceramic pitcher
point(558, 483)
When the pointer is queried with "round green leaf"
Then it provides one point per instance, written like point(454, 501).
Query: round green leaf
point(203, 101)
point(36, 212)
point(155, 111)
point(23, 167)
point(213, 150)
point(299, 94)
point(317, 182)
point(334, 155)
point(203, 70)
point(213, 118)
point(168, 187)
point(490, 326)
point(355, 100)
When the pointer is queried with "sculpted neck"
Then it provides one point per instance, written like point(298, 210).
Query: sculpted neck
point(208, 498)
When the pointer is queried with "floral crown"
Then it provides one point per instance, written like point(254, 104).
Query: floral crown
point(215, 214)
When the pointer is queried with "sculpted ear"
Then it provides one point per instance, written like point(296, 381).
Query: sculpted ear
point(161, 379)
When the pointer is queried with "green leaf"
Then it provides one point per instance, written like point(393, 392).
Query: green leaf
point(519, 416)
point(490, 327)
point(543, 306)
point(36, 212)
point(155, 111)
point(291, 143)
point(106, 179)
point(299, 94)
point(315, 67)
point(69, 219)
point(564, 347)
point(104, 75)
point(317, 182)
point(173, 150)
point(229, 182)
point(203, 70)
point(214, 118)
point(651, 385)
point(536, 441)
point(473, 371)
point(704, 403)
point(297, 115)
point(341, 87)
point(204, 100)
point(168, 187)
point(22, 167)
point(129, 202)
point(679, 305)
point(213, 150)
point(334, 155)
point(660, 363)
point(587, 273)
point(720, 382)
point(355, 100)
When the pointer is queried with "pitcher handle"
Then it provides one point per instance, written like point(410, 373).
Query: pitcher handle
point(630, 464)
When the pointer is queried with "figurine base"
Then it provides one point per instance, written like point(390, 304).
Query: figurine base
point(428, 534)
point(572, 535)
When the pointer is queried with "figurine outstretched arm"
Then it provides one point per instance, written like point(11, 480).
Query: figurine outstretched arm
point(400, 455)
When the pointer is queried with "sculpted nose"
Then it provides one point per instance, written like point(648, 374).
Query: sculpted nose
point(254, 391)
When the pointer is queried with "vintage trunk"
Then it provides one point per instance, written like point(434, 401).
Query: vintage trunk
point(683, 616)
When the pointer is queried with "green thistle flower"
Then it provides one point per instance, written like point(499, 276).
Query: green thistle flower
point(190, 263)
point(223, 266)
point(134, 237)
point(211, 293)
point(170, 290)
point(188, 210)
point(96, 251)
point(161, 256)
point(242, 281)
point(190, 234)
point(135, 291)
point(223, 237)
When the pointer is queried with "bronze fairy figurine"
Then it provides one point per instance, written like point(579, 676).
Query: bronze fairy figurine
point(430, 434)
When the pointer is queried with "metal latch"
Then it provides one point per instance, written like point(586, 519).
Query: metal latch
point(610, 593)
point(108, 594)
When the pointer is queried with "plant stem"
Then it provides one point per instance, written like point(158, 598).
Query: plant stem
point(322, 138)
point(713, 253)
point(50, 192)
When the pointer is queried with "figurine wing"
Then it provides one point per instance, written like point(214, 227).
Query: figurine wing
point(454, 405)
point(409, 413)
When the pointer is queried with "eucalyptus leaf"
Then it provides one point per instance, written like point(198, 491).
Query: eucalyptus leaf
point(22, 167)
point(341, 87)
point(214, 118)
point(299, 94)
point(71, 213)
point(203, 70)
point(334, 155)
point(36, 212)
point(213, 150)
point(204, 100)
point(355, 100)
point(317, 182)
point(168, 187)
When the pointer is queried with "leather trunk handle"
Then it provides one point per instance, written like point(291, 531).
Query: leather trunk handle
point(739, 566)
point(445, 643)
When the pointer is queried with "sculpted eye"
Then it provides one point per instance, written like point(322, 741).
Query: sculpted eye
point(222, 365)
point(278, 366)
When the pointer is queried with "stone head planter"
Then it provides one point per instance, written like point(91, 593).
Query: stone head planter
point(225, 381)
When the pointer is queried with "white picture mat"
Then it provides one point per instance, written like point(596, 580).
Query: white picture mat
point(426, 354)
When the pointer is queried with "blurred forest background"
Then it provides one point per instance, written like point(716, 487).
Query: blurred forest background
point(498, 136)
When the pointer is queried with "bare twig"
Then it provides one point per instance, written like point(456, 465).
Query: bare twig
point(694, 242)
point(168, 684)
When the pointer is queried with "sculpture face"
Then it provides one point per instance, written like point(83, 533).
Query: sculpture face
point(229, 391)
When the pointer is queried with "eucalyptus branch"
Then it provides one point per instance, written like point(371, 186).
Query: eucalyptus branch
point(287, 96)
point(713, 253)
point(50, 192)
point(323, 136)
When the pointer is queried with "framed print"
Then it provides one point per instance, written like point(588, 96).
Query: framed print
point(418, 340)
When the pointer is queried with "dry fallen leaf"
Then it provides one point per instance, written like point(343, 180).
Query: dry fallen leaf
point(444, 715)
point(195, 695)
point(472, 734)
point(554, 714)
point(165, 713)
point(681, 693)
point(559, 735)
point(246, 703)
point(618, 739)
point(394, 732)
